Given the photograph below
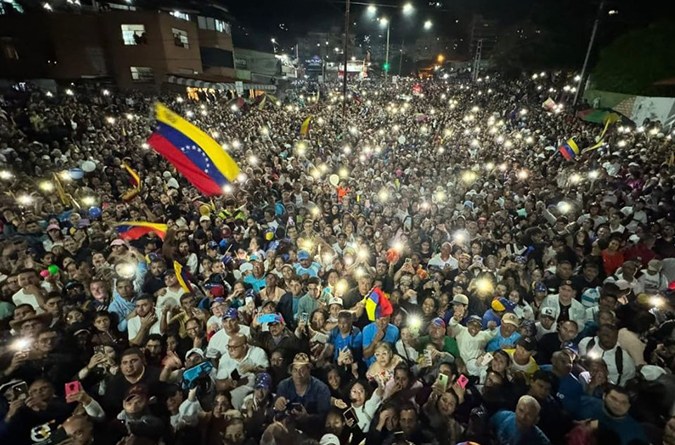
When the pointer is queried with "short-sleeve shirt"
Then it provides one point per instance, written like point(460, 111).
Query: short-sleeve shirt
point(390, 336)
point(353, 341)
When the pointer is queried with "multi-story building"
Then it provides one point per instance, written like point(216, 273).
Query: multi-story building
point(136, 48)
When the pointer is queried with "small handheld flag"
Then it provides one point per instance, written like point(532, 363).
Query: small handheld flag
point(569, 149)
point(192, 152)
point(377, 305)
point(304, 128)
point(135, 181)
point(182, 276)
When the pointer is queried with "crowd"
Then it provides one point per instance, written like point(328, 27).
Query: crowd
point(530, 297)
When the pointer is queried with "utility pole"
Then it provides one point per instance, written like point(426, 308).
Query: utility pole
point(386, 56)
point(591, 42)
point(344, 73)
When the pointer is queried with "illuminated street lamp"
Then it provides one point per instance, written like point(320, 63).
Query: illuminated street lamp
point(428, 24)
point(408, 8)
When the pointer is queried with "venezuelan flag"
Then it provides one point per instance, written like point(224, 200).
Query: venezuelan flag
point(569, 149)
point(192, 152)
point(135, 177)
point(304, 128)
point(182, 276)
point(132, 230)
point(377, 305)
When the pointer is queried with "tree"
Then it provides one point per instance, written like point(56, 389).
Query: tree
point(634, 61)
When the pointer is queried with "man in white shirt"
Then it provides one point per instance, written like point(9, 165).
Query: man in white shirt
point(564, 305)
point(444, 258)
point(144, 323)
point(170, 294)
point(237, 368)
point(30, 292)
point(620, 365)
point(218, 343)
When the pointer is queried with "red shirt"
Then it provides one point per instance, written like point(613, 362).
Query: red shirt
point(611, 261)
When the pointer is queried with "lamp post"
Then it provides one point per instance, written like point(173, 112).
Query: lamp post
point(385, 21)
point(344, 73)
point(591, 42)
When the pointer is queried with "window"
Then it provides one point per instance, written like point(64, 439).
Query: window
point(134, 34)
point(213, 24)
point(180, 38)
point(180, 15)
point(142, 74)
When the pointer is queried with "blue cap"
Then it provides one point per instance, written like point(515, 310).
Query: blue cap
point(263, 380)
point(212, 245)
point(231, 313)
point(303, 255)
point(540, 287)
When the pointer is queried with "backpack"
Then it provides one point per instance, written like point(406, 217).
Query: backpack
point(618, 357)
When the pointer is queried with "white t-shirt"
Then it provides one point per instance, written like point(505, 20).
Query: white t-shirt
point(134, 326)
point(437, 261)
point(170, 298)
point(218, 343)
point(255, 357)
point(21, 297)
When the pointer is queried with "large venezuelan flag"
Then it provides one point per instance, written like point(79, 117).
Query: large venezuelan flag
point(569, 149)
point(377, 305)
point(192, 152)
point(132, 230)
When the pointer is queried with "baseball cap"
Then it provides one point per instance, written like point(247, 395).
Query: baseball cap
point(118, 242)
point(438, 322)
point(335, 300)
point(217, 300)
point(548, 312)
point(231, 313)
point(623, 285)
point(474, 319)
point(204, 218)
point(303, 255)
point(212, 245)
point(460, 299)
point(278, 318)
point(194, 351)
point(511, 319)
point(136, 390)
point(329, 439)
point(540, 287)
point(527, 343)
point(654, 266)
point(263, 380)
point(53, 227)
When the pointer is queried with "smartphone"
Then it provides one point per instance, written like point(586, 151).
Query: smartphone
point(443, 381)
point(20, 391)
point(267, 318)
point(304, 317)
point(73, 388)
point(234, 375)
point(408, 260)
point(99, 349)
point(462, 381)
point(350, 414)
point(487, 358)
point(295, 406)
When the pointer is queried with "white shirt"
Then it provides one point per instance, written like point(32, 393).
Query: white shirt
point(541, 330)
point(218, 343)
point(609, 357)
point(577, 312)
point(255, 357)
point(21, 297)
point(470, 347)
point(171, 298)
point(134, 326)
point(437, 261)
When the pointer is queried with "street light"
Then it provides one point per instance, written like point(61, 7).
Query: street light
point(385, 22)
point(428, 24)
point(372, 9)
point(408, 8)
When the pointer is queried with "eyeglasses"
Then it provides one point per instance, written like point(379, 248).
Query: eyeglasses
point(235, 346)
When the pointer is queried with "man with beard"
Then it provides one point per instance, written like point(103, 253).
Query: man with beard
point(612, 414)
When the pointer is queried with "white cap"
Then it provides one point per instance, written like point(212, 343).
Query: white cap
point(329, 439)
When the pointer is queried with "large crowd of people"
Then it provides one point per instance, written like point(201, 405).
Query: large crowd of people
point(530, 297)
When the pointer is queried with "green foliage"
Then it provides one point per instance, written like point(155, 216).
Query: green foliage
point(634, 61)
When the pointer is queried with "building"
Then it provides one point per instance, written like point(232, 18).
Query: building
point(136, 47)
point(429, 47)
point(257, 66)
point(319, 50)
point(485, 31)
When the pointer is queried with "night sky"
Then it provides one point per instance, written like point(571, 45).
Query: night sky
point(257, 21)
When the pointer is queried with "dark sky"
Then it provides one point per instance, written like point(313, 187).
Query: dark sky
point(285, 20)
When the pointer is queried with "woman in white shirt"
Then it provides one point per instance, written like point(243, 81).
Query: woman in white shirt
point(364, 407)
